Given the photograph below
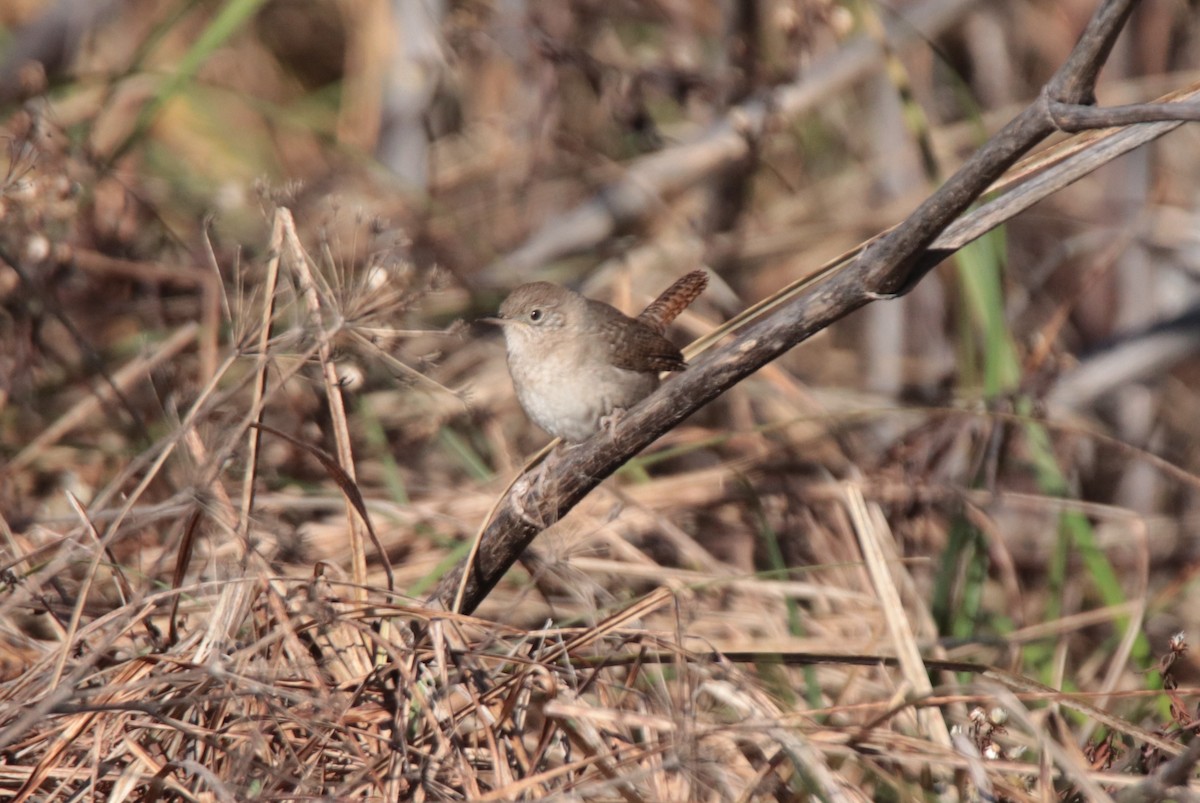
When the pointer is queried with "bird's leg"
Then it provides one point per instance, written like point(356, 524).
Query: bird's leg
point(608, 423)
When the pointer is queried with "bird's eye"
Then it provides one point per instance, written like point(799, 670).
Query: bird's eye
point(535, 315)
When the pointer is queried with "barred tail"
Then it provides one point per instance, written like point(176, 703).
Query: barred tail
point(674, 300)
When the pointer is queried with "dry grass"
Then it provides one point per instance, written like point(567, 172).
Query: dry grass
point(237, 454)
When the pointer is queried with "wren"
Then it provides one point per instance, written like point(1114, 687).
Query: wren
point(576, 363)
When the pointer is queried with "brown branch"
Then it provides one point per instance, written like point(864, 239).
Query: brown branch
point(1072, 118)
point(1095, 149)
point(891, 264)
point(1075, 81)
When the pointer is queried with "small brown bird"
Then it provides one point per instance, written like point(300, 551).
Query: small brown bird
point(575, 361)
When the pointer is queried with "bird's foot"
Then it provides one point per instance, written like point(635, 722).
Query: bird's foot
point(608, 423)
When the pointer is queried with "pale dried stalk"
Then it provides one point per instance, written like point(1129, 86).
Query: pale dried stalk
point(254, 435)
point(298, 262)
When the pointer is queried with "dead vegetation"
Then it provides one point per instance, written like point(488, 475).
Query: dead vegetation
point(944, 550)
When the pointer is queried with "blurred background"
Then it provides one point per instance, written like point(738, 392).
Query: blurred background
point(1025, 421)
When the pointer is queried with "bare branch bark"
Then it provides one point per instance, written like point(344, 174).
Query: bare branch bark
point(1071, 118)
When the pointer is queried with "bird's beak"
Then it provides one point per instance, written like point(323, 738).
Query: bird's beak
point(495, 321)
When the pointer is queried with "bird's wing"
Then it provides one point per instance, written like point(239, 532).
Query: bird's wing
point(634, 346)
